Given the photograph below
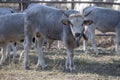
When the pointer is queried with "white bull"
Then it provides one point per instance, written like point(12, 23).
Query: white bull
point(53, 24)
point(104, 20)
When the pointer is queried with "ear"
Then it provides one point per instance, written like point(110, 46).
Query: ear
point(84, 37)
point(88, 22)
point(66, 21)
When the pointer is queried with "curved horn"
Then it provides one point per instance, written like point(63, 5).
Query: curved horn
point(65, 14)
point(87, 13)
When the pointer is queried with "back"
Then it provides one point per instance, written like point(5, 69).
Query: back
point(11, 25)
point(104, 18)
point(4, 11)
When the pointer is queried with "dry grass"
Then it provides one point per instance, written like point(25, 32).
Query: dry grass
point(105, 66)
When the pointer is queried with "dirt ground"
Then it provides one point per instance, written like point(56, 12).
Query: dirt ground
point(104, 66)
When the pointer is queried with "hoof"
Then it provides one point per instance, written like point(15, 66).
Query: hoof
point(41, 68)
point(118, 54)
point(70, 70)
point(19, 61)
point(97, 52)
point(86, 52)
point(27, 68)
point(15, 61)
point(1, 63)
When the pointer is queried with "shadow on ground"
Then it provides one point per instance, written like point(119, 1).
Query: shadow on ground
point(56, 60)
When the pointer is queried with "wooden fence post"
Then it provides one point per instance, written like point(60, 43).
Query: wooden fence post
point(20, 6)
point(72, 4)
point(23, 5)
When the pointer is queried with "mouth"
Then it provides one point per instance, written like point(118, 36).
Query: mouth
point(77, 41)
point(79, 37)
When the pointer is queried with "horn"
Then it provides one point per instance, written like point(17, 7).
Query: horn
point(85, 37)
point(65, 14)
point(88, 13)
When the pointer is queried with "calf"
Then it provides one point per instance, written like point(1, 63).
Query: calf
point(11, 30)
point(104, 20)
point(4, 11)
point(53, 24)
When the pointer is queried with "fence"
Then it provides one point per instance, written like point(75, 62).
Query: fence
point(24, 3)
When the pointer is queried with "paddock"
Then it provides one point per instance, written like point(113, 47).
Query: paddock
point(105, 66)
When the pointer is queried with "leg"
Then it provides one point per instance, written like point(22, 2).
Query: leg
point(85, 42)
point(8, 49)
point(69, 60)
point(117, 47)
point(28, 41)
point(49, 43)
point(92, 36)
point(85, 46)
point(3, 55)
point(117, 41)
point(21, 54)
point(28, 31)
point(93, 42)
point(14, 52)
point(40, 53)
point(59, 45)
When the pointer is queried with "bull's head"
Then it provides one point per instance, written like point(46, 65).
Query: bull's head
point(76, 23)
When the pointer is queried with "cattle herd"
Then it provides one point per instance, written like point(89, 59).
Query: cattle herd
point(46, 23)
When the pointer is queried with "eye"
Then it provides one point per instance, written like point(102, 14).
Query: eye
point(82, 24)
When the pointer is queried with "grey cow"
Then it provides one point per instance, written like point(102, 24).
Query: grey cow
point(11, 30)
point(104, 20)
point(53, 24)
point(4, 11)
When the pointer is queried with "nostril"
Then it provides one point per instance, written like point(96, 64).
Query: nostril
point(77, 34)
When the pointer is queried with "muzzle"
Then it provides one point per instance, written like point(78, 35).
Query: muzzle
point(78, 40)
point(79, 35)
